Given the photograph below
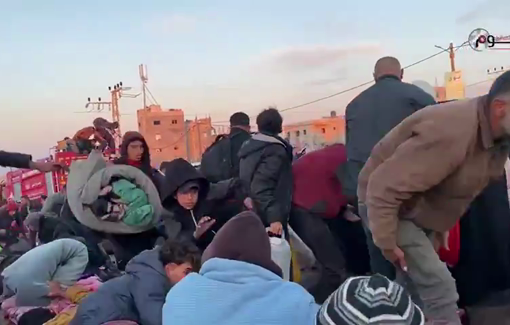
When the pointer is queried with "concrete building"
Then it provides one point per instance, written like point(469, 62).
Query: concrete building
point(170, 136)
point(316, 134)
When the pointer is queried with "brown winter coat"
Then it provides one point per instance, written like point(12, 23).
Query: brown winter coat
point(429, 168)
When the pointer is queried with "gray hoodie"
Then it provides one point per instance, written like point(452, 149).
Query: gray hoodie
point(62, 260)
point(137, 296)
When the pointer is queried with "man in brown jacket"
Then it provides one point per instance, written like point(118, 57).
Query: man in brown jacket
point(421, 178)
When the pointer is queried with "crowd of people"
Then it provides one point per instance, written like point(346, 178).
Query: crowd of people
point(407, 223)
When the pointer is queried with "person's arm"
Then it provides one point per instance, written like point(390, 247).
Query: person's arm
point(417, 165)
point(422, 99)
point(263, 186)
point(149, 299)
point(16, 160)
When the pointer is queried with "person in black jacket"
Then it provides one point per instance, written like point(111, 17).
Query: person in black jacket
point(190, 199)
point(19, 160)
point(369, 117)
point(266, 173)
point(239, 133)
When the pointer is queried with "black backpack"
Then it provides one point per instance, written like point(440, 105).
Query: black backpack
point(216, 164)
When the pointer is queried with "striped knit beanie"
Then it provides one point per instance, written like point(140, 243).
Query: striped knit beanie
point(373, 300)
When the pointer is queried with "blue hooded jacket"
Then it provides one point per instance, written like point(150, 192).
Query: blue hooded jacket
point(228, 292)
point(137, 296)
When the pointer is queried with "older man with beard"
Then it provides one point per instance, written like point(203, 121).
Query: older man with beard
point(422, 176)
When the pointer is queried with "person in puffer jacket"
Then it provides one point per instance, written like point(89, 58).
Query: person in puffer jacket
point(239, 283)
point(139, 294)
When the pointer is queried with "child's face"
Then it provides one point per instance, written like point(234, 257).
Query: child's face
point(177, 272)
point(187, 199)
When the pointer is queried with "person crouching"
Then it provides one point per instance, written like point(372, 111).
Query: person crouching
point(30, 278)
point(139, 294)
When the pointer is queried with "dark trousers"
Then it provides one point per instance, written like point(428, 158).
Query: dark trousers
point(378, 262)
point(315, 233)
point(351, 238)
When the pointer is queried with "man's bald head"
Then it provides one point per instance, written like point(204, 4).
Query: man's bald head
point(387, 66)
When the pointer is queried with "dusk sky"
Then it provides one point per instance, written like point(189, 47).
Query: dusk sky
point(215, 57)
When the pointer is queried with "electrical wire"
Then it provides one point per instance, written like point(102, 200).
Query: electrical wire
point(359, 85)
point(152, 96)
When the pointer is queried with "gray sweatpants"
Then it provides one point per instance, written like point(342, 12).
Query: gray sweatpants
point(427, 279)
point(428, 275)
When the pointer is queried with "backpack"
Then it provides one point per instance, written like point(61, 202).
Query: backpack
point(216, 164)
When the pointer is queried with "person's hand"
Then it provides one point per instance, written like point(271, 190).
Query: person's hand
point(396, 256)
point(248, 203)
point(203, 226)
point(55, 290)
point(45, 167)
point(350, 216)
point(276, 228)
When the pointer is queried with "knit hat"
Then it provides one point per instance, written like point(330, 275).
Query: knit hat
point(243, 238)
point(370, 300)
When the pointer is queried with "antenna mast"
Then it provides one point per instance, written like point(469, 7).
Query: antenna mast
point(142, 71)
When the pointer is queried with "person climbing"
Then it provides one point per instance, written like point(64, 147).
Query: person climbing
point(105, 129)
point(421, 178)
point(369, 117)
point(266, 173)
point(317, 217)
point(30, 278)
point(139, 294)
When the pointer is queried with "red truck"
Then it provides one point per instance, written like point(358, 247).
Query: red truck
point(33, 183)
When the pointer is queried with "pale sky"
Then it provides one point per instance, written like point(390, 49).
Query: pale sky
point(215, 57)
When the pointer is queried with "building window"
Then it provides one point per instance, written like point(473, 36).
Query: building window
point(297, 133)
point(158, 137)
point(174, 121)
point(323, 130)
point(139, 124)
point(176, 148)
point(288, 135)
point(156, 122)
point(304, 132)
point(158, 150)
point(334, 128)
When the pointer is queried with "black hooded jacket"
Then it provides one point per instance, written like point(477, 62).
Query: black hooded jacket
point(177, 173)
point(146, 167)
point(266, 174)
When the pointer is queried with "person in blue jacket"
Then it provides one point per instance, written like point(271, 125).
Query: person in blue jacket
point(139, 294)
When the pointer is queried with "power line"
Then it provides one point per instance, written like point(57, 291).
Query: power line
point(357, 86)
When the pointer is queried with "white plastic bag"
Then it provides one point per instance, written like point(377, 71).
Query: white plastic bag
point(281, 255)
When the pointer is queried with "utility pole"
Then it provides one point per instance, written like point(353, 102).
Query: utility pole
point(452, 57)
point(116, 93)
point(142, 71)
point(451, 51)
